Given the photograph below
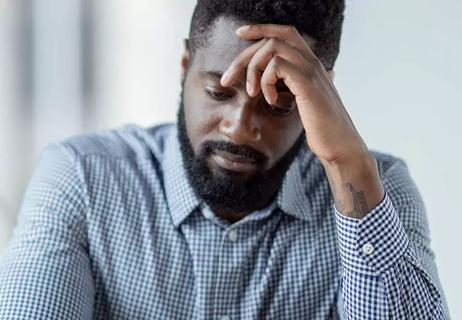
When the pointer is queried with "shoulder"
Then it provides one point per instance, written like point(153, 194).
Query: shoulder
point(397, 179)
point(105, 157)
point(126, 142)
point(388, 161)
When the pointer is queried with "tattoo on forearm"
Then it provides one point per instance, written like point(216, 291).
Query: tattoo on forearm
point(359, 201)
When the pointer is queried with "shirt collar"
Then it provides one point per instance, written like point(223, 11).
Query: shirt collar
point(294, 198)
point(181, 199)
point(303, 181)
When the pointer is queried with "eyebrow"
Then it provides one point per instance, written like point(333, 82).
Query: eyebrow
point(216, 75)
point(280, 85)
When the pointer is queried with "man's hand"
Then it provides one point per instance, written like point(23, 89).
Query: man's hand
point(283, 54)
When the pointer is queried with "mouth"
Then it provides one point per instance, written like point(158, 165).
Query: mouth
point(233, 162)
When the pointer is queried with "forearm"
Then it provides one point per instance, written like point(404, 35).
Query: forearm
point(355, 185)
point(388, 265)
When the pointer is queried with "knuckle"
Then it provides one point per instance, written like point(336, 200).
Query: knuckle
point(288, 29)
point(276, 61)
point(272, 42)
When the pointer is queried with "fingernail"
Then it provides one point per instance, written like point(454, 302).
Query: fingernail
point(224, 77)
point(249, 88)
point(243, 28)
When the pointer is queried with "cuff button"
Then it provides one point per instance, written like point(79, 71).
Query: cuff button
point(368, 248)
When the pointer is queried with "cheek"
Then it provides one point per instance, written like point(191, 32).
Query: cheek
point(282, 135)
point(200, 119)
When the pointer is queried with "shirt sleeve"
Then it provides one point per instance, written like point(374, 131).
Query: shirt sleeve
point(388, 266)
point(45, 270)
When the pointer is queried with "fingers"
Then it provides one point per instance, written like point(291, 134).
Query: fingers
point(280, 49)
point(256, 66)
point(239, 64)
point(286, 33)
point(254, 59)
point(279, 68)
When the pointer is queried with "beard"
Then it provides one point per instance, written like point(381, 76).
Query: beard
point(225, 189)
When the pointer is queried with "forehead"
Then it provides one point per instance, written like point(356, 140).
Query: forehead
point(223, 45)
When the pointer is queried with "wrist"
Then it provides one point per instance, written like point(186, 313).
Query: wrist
point(355, 185)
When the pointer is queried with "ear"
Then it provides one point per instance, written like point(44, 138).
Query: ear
point(331, 75)
point(185, 59)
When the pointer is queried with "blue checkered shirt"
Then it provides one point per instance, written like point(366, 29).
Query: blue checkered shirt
point(109, 228)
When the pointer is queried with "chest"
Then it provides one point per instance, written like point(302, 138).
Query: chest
point(280, 269)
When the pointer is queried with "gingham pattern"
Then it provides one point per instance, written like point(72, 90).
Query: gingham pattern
point(109, 228)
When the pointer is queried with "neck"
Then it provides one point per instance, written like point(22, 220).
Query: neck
point(233, 216)
point(229, 215)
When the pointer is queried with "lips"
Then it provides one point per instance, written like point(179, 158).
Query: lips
point(233, 162)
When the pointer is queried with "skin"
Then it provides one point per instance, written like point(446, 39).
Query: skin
point(260, 65)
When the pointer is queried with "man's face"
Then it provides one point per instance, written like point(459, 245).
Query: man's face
point(236, 147)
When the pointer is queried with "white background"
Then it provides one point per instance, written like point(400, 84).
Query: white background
point(398, 73)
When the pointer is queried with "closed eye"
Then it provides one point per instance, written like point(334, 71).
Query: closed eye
point(279, 111)
point(218, 95)
point(284, 106)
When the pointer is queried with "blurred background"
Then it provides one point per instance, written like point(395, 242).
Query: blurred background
point(75, 66)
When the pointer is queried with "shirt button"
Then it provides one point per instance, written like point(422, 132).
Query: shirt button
point(208, 214)
point(368, 248)
point(233, 237)
point(225, 318)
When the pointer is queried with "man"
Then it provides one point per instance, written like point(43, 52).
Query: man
point(262, 202)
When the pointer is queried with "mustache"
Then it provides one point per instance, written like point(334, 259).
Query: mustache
point(208, 147)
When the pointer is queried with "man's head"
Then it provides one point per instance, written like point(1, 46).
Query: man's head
point(237, 148)
point(319, 20)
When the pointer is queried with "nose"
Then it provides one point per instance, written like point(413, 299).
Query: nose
point(240, 125)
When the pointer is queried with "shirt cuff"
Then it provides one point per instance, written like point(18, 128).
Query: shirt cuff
point(372, 244)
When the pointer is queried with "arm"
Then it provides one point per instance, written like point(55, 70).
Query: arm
point(396, 273)
point(388, 266)
point(45, 271)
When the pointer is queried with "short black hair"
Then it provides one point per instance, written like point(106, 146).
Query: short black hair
point(321, 20)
